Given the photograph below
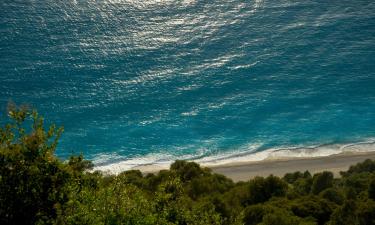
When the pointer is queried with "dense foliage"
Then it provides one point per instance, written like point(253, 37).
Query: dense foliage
point(38, 188)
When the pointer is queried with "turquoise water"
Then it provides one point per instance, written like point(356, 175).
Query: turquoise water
point(153, 81)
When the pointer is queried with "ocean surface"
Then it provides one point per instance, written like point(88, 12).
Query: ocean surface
point(150, 81)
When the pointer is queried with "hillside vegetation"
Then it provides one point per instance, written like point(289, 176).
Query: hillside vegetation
point(36, 187)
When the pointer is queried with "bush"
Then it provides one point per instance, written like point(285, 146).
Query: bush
point(262, 189)
point(134, 177)
point(333, 195)
point(357, 182)
point(303, 186)
point(366, 212)
point(366, 166)
point(322, 181)
point(34, 184)
point(187, 170)
point(313, 206)
point(254, 214)
point(270, 215)
point(291, 178)
point(371, 189)
point(281, 217)
point(345, 214)
point(208, 184)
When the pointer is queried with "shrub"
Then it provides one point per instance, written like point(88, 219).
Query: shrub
point(366, 166)
point(366, 212)
point(333, 195)
point(34, 184)
point(187, 170)
point(303, 186)
point(322, 181)
point(313, 206)
point(345, 214)
point(254, 214)
point(293, 177)
point(371, 189)
point(262, 189)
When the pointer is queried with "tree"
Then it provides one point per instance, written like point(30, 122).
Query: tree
point(303, 185)
point(322, 181)
point(371, 189)
point(313, 206)
point(268, 214)
point(187, 170)
point(292, 177)
point(34, 184)
point(208, 184)
point(262, 189)
point(366, 212)
point(281, 217)
point(333, 195)
point(254, 214)
point(345, 214)
point(366, 166)
point(357, 182)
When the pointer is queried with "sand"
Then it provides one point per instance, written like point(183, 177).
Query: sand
point(243, 171)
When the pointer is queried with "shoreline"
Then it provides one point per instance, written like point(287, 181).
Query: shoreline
point(243, 171)
point(154, 163)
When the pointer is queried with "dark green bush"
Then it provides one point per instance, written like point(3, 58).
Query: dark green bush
point(262, 189)
point(322, 181)
point(366, 212)
point(371, 189)
point(254, 214)
point(345, 214)
point(366, 166)
point(33, 182)
point(333, 195)
point(292, 177)
point(313, 206)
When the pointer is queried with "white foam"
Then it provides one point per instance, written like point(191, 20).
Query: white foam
point(248, 153)
point(193, 112)
point(151, 159)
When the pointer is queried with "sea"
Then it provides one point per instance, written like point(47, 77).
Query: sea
point(147, 82)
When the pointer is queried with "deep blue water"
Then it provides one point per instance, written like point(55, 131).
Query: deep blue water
point(191, 79)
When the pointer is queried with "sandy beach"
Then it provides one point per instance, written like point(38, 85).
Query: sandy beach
point(334, 157)
point(243, 171)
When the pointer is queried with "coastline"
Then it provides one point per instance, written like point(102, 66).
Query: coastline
point(277, 161)
point(242, 171)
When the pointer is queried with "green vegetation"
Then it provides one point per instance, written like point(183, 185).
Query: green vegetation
point(38, 188)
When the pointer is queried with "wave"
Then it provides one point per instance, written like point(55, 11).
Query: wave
point(157, 161)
